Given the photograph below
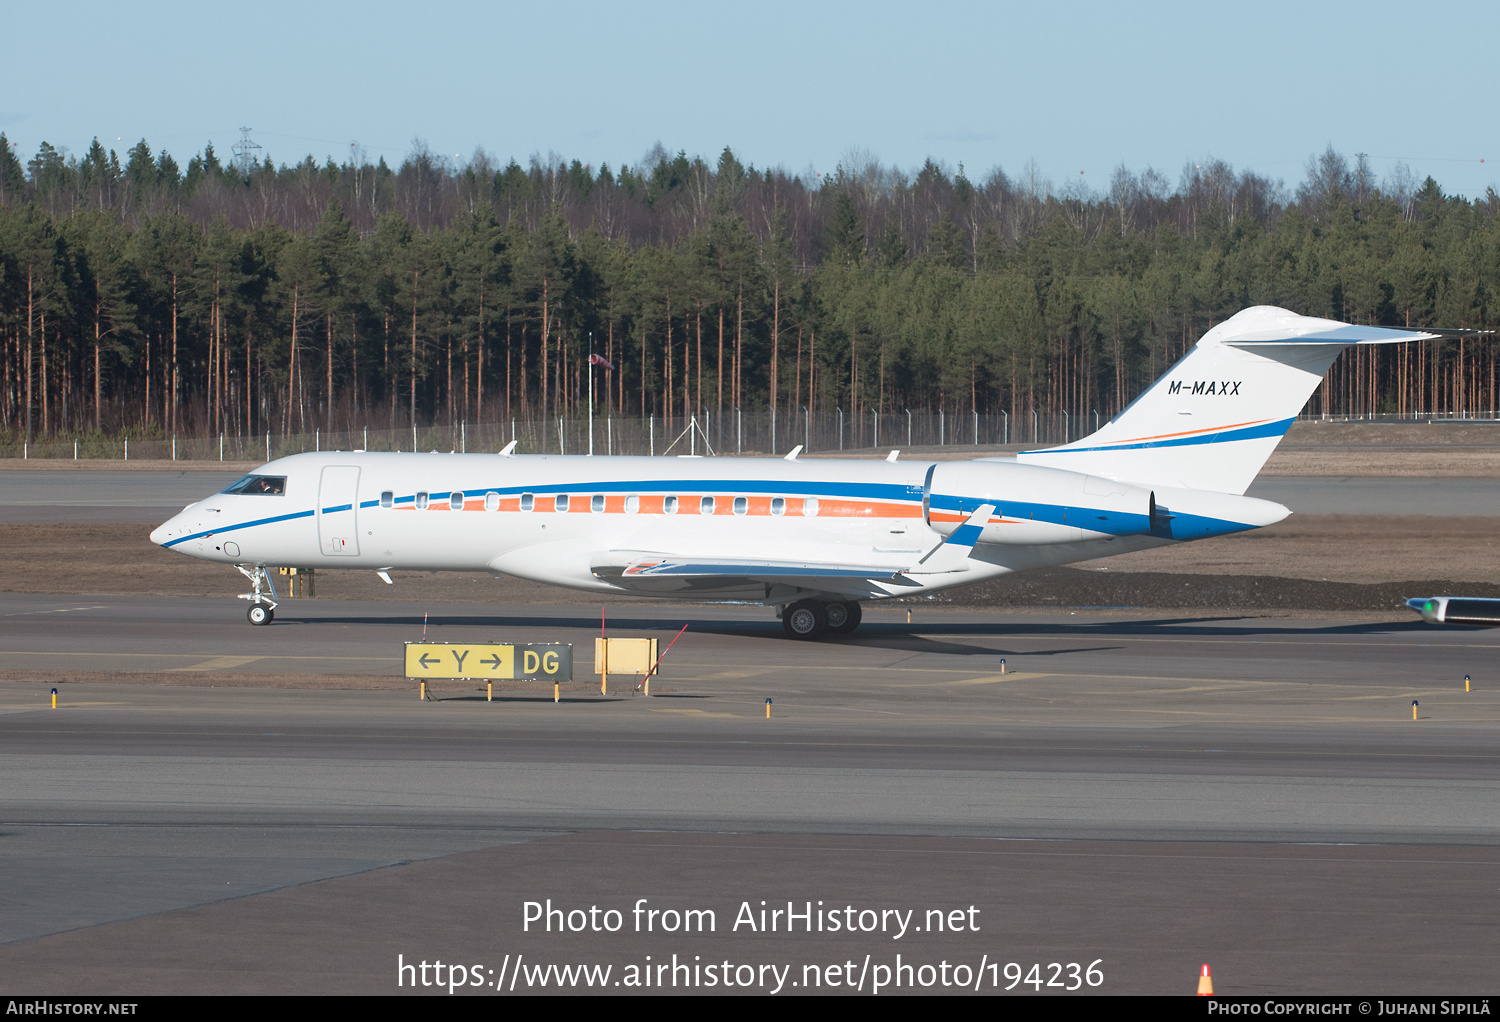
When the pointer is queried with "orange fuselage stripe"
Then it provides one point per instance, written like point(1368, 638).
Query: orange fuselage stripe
point(690, 504)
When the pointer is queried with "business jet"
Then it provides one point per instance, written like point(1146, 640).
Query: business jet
point(814, 539)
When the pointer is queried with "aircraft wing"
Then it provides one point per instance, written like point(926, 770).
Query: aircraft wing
point(737, 578)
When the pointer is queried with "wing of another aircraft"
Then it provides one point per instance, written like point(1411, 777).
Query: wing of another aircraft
point(1457, 610)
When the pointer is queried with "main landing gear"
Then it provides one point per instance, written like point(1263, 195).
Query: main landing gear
point(812, 619)
point(262, 604)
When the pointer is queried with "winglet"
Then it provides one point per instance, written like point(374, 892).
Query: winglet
point(792, 454)
point(965, 536)
point(893, 455)
point(508, 449)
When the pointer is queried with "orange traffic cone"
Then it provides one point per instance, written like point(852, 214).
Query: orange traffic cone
point(1205, 984)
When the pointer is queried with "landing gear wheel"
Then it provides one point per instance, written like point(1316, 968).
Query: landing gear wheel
point(843, 618)
point(262, 594)
point(804, 619)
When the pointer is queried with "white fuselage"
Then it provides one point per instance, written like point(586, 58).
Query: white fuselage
point(763, 529)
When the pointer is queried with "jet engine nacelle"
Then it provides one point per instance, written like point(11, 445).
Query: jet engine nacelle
point(1033, 504)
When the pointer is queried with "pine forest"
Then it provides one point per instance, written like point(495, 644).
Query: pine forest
point(146, 300)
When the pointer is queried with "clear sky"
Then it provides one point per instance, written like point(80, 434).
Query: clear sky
point(1075, 87)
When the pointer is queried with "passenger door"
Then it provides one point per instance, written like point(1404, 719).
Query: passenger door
point(338, 511)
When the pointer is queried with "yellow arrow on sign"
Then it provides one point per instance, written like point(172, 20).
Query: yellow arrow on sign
point(460, 660)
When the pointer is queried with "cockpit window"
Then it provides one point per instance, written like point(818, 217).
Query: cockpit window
point(274, 486)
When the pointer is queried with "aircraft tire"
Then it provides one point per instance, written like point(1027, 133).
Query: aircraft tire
point(259, 614)
point(843, 618)
point(805, 619)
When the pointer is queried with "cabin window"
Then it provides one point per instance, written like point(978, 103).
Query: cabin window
point(778, 506)
point(387, 498)
point(810, 506)
point(596, 503)
point(706, 506)
point(421, 501)
point(266, 486)
point(741, 505)
point(669, 505)
point(456, 501)
point(528, 501)
point(562, 502)
point(632, 504)
point(492, 501)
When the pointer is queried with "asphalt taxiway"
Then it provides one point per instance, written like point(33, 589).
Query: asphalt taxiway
point(274, 809)
point(100, 495)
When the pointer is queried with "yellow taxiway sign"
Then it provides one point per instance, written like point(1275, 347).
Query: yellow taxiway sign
point(492, 661)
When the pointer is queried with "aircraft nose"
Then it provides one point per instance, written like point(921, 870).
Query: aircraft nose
point(163, 532)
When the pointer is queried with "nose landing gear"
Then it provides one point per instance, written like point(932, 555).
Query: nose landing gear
point(262, 604)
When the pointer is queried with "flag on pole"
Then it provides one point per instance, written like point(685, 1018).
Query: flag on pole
point(600, 360)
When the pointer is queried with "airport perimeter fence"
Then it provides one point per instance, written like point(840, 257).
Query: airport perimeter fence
point(1430, 418)
point(732, 433)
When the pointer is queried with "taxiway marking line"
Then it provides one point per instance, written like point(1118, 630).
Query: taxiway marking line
point(1096, 637)
point(60, 706)
point(1017, 847)
point(1207, 684)
point(715, 743)
point(393, 658)
point(693, 712)
point(1000, 679)
point(221, 663)
point(56, 610)
point(1210, 685)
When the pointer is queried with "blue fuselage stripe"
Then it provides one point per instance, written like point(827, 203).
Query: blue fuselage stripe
point(242, 525)
point(1112, 523)
point(1116, 523)
point(1170, 525)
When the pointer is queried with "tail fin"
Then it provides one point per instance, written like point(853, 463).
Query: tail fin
point(1212, 421)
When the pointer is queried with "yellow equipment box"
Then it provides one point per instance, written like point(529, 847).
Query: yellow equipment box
point(624, 656)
